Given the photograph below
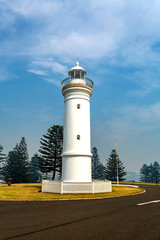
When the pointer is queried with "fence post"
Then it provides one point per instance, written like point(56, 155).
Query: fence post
point(61, 187)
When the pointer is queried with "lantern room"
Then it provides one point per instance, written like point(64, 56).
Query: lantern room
point(77, 72)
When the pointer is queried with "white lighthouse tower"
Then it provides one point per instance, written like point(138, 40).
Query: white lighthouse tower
point(76, 157)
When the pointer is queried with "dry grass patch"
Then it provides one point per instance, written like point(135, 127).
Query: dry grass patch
point(28, 192)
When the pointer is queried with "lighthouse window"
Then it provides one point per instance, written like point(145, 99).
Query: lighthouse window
point(82, 74)
point(78, 106)
point(72, 74)
point(78, 137)
point(77, 74)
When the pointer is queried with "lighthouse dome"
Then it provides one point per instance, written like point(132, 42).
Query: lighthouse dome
point(77, 71)
point(77, 74)
point(77, 67)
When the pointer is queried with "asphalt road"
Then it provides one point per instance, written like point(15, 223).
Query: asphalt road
point(110, 219)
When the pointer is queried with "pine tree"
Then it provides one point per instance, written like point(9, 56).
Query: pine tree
point(150, 173)
point(35, 175)
point(50, 151)
point(144, 174)
point(17, 164)
point(101, 171)
point(111, 168)
point(97, 166)
point(156, 172)
point(2, 158)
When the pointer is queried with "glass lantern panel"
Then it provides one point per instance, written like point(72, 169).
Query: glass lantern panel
point(82, 74)
point(77, 74)
point(72, 74)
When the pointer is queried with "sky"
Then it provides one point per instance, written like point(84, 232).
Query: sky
point(116, 41)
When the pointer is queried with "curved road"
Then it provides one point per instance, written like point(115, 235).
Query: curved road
point(111, 219)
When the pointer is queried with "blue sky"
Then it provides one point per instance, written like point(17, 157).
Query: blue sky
point(116, 41)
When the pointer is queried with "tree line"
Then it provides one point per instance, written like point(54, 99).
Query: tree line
point(16, 164)
point(109, 170)
point(150, 173)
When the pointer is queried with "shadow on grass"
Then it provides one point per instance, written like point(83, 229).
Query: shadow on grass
point(38, 187)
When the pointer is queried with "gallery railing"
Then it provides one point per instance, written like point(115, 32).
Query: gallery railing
point(68, 81)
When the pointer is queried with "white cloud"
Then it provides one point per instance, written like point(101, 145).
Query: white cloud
point(59, 30)
point(49, 68)
point(50, 65)
point(146, 81)
point(30, 8)
point(53, 81)
point(134, 120)
point(38, 72)
point(85, 45)
point(105, 28)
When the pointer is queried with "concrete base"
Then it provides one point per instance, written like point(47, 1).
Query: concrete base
point(64, 187)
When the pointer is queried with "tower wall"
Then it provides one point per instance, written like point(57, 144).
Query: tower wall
point(76, 157)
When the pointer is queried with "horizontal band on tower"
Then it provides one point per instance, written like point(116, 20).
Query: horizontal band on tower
point(77, 85)
point(66, 154)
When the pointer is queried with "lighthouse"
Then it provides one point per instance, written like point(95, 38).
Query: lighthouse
point(76, 157)
point(77, 90)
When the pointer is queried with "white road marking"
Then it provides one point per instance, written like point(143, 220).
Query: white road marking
point(155, 201)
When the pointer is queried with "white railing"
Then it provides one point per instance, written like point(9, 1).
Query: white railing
point(64, 187)
point(68, 81)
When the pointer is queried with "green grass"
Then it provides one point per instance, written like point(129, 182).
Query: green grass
point(32, 192)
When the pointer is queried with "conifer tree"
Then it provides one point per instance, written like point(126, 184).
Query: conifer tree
point(150, 173)
point(111, 168)
point(155, 172)
point(97, 166)
point(49, 159)
point(35, 175)
point(17, 164)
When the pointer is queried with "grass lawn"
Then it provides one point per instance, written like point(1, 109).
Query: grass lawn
point(28, 192)
point(141, 183)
